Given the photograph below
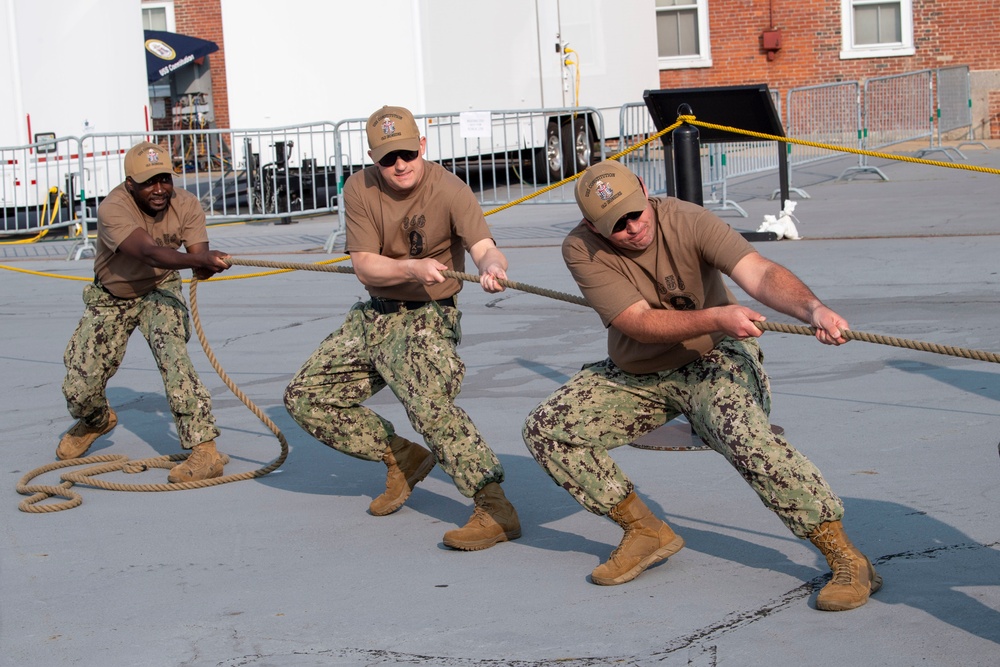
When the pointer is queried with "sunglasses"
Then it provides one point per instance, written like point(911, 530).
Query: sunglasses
point(389, 159)
point(624, 220)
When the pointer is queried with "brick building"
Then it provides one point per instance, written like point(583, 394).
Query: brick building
point(723, 42)
point(783, 43)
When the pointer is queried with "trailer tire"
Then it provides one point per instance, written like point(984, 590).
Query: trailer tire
point(576, 144)
point(547, 162)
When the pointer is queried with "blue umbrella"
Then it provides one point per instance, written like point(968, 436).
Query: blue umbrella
point(168, 51)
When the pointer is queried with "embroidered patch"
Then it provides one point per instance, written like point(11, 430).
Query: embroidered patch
point(604, 191)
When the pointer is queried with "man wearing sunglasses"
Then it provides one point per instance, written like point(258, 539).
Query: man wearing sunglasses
point(679, 343)
point(407, 221)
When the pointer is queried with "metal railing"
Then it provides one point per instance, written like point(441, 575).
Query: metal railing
point(953, 97)
point(828, 114)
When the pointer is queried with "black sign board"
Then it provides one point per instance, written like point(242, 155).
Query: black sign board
point(744, 107)
point(749, 107)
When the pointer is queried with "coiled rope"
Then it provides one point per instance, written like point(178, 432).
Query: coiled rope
point(118, 462)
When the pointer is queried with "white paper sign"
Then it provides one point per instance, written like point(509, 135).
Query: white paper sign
point(474, 124)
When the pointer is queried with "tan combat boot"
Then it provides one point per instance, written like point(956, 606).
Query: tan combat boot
point(494, 520)
point(204, 462)
point(80, 437)
point(647, 540)
point(854, 578)
point(408, 464)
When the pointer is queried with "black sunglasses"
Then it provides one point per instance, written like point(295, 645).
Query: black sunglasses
point(624, 220)
point(389, 159)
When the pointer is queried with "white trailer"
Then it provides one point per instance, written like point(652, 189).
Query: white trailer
point(69, 69)
point(305, 61)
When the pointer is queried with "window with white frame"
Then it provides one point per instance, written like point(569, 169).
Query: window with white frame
point(682, 34)
point(876, 28)
point(158, 16)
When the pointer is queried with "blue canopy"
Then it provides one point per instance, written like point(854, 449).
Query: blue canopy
point(168, 51)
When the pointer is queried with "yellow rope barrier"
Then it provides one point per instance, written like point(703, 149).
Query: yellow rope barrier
point(856, 151)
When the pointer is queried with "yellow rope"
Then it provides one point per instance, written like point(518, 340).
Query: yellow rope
point(214, 279)
point(856, 151)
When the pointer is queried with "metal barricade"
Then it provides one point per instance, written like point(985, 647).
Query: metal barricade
point(895, 109)
point(744, 158)
point(649, 161)
point(252, 174)
point(952, 91)
point(824, 114)
point(39, 185)
point(503, 155)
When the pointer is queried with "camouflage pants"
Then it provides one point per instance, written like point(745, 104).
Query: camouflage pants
point(414, 354)
point(726, 398)
point(97, 347)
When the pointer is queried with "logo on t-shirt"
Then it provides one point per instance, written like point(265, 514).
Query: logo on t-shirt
point(413, 228)
point(672, 284)
point(682, 302)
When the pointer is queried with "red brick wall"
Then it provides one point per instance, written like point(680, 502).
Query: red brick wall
point(945, 33)
point(203, 18)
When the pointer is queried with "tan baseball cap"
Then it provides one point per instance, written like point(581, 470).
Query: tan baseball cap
point(145, 160)
point(392, 129)
point(606, 191)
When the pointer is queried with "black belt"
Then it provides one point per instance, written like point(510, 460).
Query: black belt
point(100, 286)
point(390, 306)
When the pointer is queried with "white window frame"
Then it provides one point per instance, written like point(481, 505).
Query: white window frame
point(704, 57)
point(903, 48)
point(168, 5)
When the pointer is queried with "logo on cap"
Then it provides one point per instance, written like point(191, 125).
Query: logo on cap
point(388, 127)
point(604, 191)
point(153, 156)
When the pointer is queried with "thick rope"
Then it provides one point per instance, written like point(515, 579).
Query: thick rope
point(293, 266)
point(978, 355)
point(965, 353)
point(117, 462)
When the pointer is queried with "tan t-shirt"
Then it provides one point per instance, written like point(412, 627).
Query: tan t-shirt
point(440, 218)
point(680, 270)
point(182, 223)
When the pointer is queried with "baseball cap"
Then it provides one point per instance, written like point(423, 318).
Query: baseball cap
point(392, 129)
point(606, 191)
point(145, 160)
